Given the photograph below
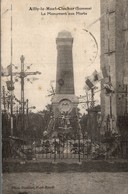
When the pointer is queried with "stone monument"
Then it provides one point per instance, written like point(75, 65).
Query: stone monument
point(64, 101)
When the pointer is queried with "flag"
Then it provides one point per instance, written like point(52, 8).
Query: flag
point(89, 83)
point(97, 76)
point(92, 80)
point(109, 88)
point(6, 71)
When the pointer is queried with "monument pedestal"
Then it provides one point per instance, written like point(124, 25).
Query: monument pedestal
point(63, 103)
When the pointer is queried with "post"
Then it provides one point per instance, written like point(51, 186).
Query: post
point(111, 122)
point(27, 106)
point(54, 149)
point(87, 101)
point(79, 135)
point(22, 89)
point(92, 98)
point(126, 99)
point(11, 77)
point(4, 102)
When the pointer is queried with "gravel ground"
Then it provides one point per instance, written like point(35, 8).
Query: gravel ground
point(65, 183)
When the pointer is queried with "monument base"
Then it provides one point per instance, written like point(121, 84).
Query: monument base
point(64, 103)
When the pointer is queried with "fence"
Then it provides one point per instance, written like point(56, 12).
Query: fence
point(55, 149)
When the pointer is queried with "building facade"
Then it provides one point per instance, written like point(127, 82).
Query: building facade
point(114, 62)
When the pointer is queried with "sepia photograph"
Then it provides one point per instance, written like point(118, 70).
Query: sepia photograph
point(64, 96)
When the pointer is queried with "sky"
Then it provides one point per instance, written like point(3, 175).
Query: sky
point(34, 36)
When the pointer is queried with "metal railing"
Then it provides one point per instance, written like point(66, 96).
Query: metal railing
point(55, 149)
